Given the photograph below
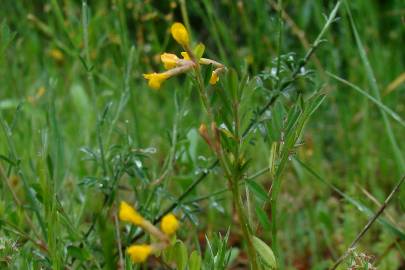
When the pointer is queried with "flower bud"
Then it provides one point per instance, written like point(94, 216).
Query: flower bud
point(180, 34)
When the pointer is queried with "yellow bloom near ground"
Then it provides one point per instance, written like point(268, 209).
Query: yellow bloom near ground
point(139, 253)
point(169, 224)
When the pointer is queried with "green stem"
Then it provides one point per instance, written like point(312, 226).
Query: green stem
point(274, 217)
point(237, 199)
point(233, 178)
point(184, 14)
point(203, 93)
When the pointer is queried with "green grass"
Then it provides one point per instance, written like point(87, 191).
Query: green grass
point(80, 131)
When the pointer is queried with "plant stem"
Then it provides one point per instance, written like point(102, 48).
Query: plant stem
point(203, 93)
point(276, 187)
point(232, 176)
point(369, 224)
point(237, 199)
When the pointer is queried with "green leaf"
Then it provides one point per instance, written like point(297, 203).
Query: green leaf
point(11, 162)
point(6, 36)
point(168, 254)
point(233, 84)
point(195, 261)
point(276, 123)
point(258, 190)
point(207, 72)
point(180, 255)
point(199, 50)
point(263, 218)
point(78, 253)
point(265, 252)
point(273, 158)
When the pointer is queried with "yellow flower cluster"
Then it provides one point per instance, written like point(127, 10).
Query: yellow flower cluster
point(176, 65)
point(168, 225)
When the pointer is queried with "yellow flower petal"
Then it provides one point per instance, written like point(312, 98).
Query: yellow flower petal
point(214, 78)
point(128, 213)
point(185, 55)
point(155, 79)
point(180, 34)
point(169, 60)
point(169, 224)
point(139, 253)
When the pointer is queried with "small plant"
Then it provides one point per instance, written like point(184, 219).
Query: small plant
point(229, 141)
point(361, 261)
point(225, 141)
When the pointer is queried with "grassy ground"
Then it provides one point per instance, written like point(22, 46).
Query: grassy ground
point(81, 131)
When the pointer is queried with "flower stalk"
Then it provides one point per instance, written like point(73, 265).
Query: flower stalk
point(168, 225)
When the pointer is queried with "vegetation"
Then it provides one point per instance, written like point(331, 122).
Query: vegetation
point(202, 134)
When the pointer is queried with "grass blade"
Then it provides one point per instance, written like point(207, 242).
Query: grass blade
point(377, 102)
point(361, 207)
point(376, 93)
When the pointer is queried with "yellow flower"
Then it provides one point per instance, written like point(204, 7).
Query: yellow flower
point(128, 213)
point(139, 253)
point(169, 224)
point(185, 56)
point(41, 91)
point(155, 79)
point(169, 60)
point(180, 34)
point(56, 55)
point(214, 78)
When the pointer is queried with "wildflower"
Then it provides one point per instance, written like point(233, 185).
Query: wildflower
point(156, 79)
point(41, 91)
point(191, 60)
point(214, 78)
point(139, 253)
point(180, 34)
point(128, 213)
point(169, 224)
point(56, 55)
point(169, 60)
